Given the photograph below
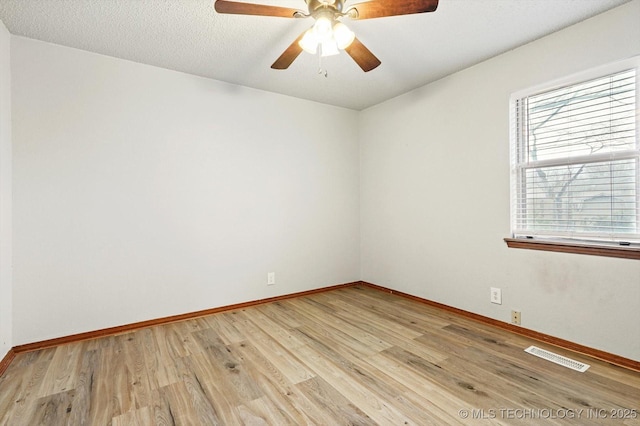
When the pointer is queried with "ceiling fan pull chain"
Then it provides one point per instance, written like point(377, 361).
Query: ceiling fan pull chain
point(320, 70)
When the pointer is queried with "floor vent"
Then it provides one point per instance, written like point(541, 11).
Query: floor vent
point(558, 359)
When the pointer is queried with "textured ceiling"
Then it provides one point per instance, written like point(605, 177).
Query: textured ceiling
point(189, 36)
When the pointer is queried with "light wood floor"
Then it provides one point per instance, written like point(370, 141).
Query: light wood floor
point(354, 356)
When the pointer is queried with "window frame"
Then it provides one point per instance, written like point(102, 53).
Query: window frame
point(550, 241)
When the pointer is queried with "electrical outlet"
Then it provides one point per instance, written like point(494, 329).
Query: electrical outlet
point(515, 317)
point(271, 278)
point(496, 296)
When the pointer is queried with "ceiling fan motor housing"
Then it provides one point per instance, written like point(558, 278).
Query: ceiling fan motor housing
point(317, 5)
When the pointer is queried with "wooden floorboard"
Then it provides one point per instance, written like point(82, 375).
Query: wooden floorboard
point(350, 356)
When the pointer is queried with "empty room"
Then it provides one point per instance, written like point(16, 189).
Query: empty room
point(323, 212)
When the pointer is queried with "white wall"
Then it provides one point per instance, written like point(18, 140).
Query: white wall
point(435, 197)
point(6, 340)
point(141, 192)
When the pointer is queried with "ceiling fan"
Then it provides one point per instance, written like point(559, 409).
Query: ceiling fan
point(328, 35)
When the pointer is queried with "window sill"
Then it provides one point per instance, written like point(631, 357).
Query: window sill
point(578, 248)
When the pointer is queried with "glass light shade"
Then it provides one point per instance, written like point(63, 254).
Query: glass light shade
point(309, 43)
point(343, 35)
point(329, 47)
point(322, 29)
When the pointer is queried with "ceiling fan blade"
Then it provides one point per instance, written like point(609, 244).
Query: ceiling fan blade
point(237, 8)
point(362, 56)
point(289, 55)
point(382, 8)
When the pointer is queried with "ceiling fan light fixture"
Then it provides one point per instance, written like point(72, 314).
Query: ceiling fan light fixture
point(323, 28)
point(309, 43)
point(329, 48)
point(343, 35)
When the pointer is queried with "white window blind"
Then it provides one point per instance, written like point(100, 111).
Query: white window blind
point(576, 160)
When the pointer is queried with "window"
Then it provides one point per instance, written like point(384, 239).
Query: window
point(575, 155)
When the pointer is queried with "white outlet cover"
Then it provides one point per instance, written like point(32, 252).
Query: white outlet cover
point(496, 295)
